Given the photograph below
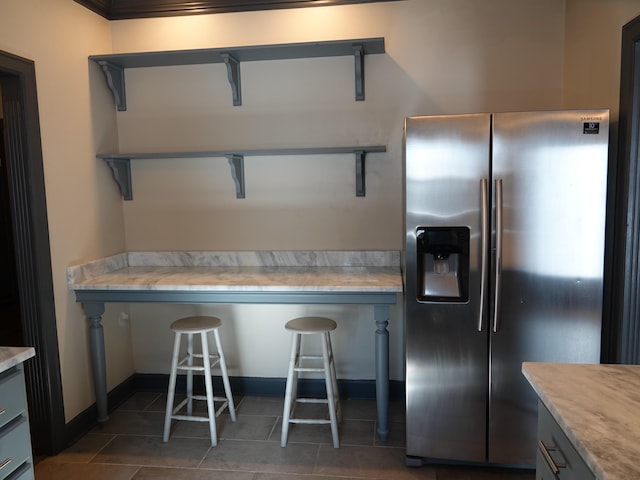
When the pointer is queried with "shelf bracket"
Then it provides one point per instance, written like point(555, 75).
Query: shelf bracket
point(358, 55)
point(121, 170)
point(233, 73)
point(115, 81)
point(360, 175)
point(236, 162)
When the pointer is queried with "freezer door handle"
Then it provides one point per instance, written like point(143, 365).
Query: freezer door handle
point(498, 278)
point(484, 235)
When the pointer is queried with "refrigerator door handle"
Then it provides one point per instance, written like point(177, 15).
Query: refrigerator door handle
point(498, 277)
point(484, 235)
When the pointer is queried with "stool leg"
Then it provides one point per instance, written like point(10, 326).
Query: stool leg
point(225, 377)
point(189, 374)
point(296, 374)
point(334, 378)
point(209, 388)
point(330, 393)
point(172, 388)
point(289, 393)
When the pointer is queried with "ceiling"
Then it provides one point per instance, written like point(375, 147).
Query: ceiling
point(123, 9)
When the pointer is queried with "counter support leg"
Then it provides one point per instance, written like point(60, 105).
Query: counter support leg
point(381, 316)
point(94, 312)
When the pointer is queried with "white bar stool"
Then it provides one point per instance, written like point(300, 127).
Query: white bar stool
point(191, 326)
point(310, 326)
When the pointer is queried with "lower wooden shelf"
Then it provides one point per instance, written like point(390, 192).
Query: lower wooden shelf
point(120, 163)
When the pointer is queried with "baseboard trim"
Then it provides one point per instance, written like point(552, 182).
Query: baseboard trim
point(271, 387)
point(254, 386)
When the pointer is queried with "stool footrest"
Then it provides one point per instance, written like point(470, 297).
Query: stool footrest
point(197, 368)
point(312, 400)
point(204, 398)
point(225, 404)
point(190, 418)
point(308, 369)
point(193, 368)
point(310, 421)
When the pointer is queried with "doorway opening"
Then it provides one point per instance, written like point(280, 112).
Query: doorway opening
point(10, 317)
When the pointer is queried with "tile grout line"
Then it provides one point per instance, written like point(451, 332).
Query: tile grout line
point(315, 463)
point(136, 472)
point(206, 454)
point(273, 428)
point(113, 437)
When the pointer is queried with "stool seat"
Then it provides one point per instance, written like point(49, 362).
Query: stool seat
point(310, 325)
point(324, 363)
point(196, 324)
point(190, 326)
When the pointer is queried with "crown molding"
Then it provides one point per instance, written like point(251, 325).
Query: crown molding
point(101, 7)
point(127, 9)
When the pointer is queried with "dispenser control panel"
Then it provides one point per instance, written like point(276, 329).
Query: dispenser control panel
point(443, 264)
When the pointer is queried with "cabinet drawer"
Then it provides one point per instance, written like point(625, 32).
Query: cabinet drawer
point(23, 473)
point(556, 457)
point(13, 401)
point(15, 447)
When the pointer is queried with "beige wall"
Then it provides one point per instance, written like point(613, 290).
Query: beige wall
point(443, 56)
point(85, 216)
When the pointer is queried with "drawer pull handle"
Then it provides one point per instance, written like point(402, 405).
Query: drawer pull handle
point(5, 463)
point(2, 410)
point(555, 467)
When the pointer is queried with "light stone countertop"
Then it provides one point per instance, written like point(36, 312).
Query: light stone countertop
point(318, 271)
point(12, 356)
point(598, 408)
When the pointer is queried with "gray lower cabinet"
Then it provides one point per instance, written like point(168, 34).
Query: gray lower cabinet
point(557, 458)
point(16, 461)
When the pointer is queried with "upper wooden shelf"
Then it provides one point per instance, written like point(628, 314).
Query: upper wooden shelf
point(114, 65)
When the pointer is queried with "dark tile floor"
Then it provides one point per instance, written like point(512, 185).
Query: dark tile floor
point(130, 447)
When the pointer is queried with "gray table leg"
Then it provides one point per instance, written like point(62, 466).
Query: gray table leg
point(381, 316)
point(94, 312)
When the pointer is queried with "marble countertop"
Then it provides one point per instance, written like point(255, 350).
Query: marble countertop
point(271, 271)
point(11, 356)
point(598, 408)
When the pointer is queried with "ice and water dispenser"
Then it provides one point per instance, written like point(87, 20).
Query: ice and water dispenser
point(443, 264)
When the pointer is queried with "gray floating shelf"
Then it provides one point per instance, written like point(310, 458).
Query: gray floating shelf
point(120, 163)
point(114, 65)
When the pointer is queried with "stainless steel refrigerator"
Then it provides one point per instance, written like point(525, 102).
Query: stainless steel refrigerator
point(505, 219)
